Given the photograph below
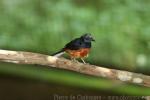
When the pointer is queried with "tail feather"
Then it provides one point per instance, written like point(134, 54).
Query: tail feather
point(59, 53)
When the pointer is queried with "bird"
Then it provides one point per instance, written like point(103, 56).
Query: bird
point(77, 48)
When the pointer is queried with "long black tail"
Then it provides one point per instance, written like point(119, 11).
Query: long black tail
point(59, 53)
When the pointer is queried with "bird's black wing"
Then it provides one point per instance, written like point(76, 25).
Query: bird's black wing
point(74, 44)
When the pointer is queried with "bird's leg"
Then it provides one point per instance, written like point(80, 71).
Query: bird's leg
point(74, 59)
point(83, 61)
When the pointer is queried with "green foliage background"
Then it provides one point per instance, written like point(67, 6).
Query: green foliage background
point(121, 28)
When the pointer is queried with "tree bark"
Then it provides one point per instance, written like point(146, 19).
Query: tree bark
point(20, 57)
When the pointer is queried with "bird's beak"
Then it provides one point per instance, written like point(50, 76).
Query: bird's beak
point(93, 39)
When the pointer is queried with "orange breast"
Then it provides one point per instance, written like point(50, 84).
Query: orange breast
point(81, 53)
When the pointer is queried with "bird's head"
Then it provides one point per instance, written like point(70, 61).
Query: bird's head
point(87, 37)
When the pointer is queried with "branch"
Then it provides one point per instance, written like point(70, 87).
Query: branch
point(20, 57)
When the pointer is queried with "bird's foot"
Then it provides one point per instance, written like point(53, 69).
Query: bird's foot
point(74, 60)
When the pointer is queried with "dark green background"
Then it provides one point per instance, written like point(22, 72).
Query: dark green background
point(121, 29)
